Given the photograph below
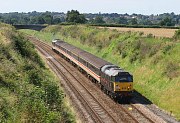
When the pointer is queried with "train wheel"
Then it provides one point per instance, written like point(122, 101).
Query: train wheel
point(111, 95)
point(104, 90)
point(101, 87)
point(107, 92)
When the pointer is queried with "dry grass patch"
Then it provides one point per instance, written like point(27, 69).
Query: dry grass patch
point(158, 32)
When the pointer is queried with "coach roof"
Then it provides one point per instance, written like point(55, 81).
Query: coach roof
point(94, 60)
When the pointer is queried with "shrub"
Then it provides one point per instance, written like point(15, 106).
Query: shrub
point(166, 49)
point(133, 57)
point(153, 50)
point(4, 111)
point(123, 54)
point(150, 35)
point(35, 77)
point(26, 49)
point(177, 35)
point(171, 70)
point(54, 97)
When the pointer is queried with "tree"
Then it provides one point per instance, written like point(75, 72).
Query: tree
point(47, 18)
point(167, 22)
point(122, 20)
point(40, 20)
point(99, 20)
point(75, 16)
point(13, 21)
point(1, 19)
point(56, 20)
point(133, 21)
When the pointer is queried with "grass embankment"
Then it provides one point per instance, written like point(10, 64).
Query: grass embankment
point(29, 92)
point(154, 62)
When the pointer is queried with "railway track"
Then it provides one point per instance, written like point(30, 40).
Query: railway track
point(97, 110)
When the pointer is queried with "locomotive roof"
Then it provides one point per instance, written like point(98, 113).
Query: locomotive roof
point(55, 40)
point(59, 42)
point(112, 70)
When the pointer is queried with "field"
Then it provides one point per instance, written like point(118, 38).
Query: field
point(158, 32)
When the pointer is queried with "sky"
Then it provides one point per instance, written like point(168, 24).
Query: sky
point(145, 7)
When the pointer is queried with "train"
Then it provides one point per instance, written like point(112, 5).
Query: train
point(113, 80)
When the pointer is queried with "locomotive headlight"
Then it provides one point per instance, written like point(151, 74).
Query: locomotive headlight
point(117, 87)
point(128, 88)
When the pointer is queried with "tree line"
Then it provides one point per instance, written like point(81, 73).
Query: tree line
point(74, 16)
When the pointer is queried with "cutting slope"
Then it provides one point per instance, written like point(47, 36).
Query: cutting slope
point(29, 92)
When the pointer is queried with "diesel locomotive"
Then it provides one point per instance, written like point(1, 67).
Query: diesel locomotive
point(112, 79)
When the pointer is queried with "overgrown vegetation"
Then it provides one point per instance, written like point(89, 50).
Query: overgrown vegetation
point(29, 91)
point(154, 62)
point(177, 35)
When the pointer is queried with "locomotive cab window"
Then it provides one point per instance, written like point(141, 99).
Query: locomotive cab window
point(123, 79)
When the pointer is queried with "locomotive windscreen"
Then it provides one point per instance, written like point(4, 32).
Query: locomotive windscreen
point(124, 79)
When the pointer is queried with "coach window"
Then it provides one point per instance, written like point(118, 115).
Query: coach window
point(84, 62)
point(62, 48)
point(72, 55)
point(68, 52)
point(76, 57)
point(91, 67)
point(97, 71)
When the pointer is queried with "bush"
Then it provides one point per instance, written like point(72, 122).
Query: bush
point(153, 50)
point(5, 112)
point(177, 35)
point(150, 35)
point(35, 77)
point(166, 49)
point(133, 57)
point(123, 54)
point(54, 97)
point(26, 49)
point(171, 70)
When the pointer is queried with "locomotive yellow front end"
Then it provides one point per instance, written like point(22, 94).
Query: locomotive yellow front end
point(123, 85)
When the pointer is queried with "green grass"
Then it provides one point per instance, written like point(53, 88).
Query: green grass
point(29, 90)
point(154, 62)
